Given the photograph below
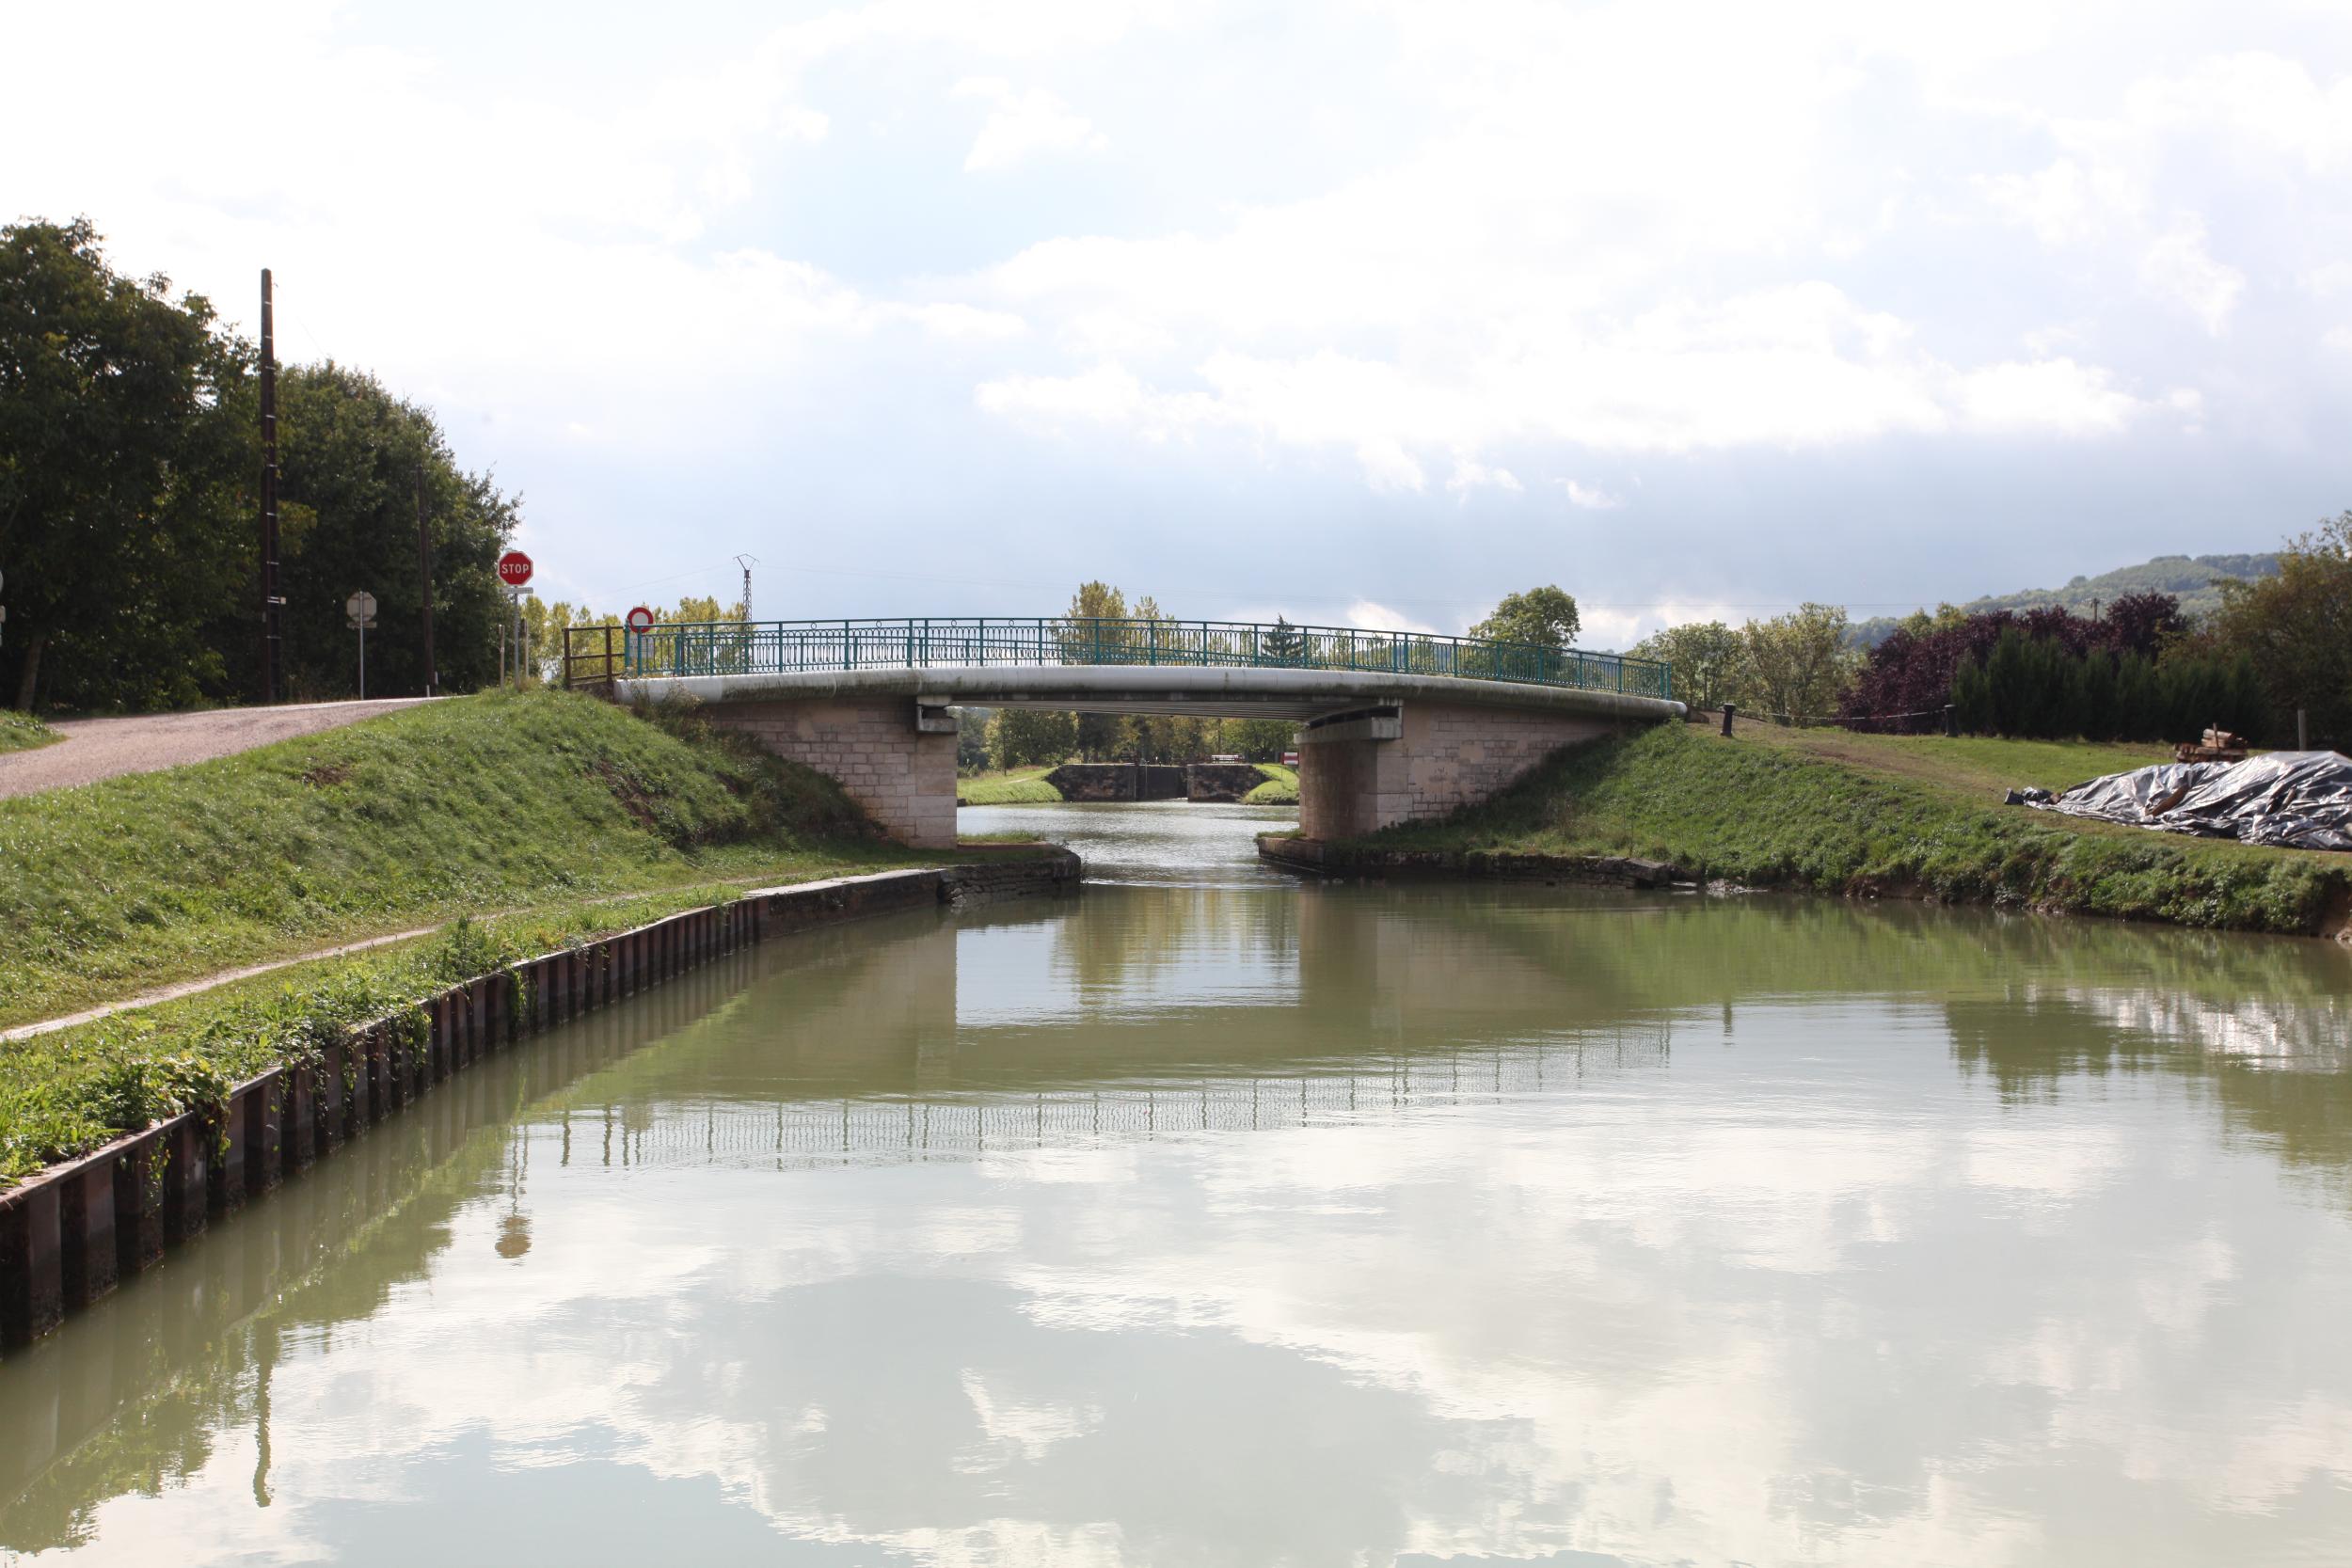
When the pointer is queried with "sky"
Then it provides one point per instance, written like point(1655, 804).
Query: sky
point(1362, 314)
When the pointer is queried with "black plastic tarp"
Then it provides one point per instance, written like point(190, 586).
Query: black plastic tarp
point(2300, 799)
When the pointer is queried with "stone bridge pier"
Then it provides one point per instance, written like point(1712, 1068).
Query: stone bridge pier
point(1376, 748)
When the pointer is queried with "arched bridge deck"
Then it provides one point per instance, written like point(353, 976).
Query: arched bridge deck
point(1396, 726)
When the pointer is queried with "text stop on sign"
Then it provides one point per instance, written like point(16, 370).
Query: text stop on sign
point(513, 568)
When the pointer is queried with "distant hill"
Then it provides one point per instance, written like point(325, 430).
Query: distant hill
point(2190, 578)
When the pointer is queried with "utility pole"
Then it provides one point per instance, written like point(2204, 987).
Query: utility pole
point(271, 669)
point(424, 572)
point(747, 562)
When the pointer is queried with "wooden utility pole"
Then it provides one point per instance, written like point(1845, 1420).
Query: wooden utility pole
point(272, 669)
point(424, 571)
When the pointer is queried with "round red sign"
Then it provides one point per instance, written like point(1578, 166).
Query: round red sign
point(640, 619)
point(513, 568)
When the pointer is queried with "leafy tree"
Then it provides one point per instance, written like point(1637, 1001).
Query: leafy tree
point(1709, 661)
point(1259, 739)
point(1912, 670)
point(1539, 618)
point(351, 457)
point(2034, 687)
point(1024, 737)
point(120, 476)
point(971, 738)
point(2296, 629)
point(1797, 663)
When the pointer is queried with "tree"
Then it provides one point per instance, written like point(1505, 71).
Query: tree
point(2296, 629)
point(1260, 739)
point(1797, 663)
point(1025, 736)
point(971, 738)
point(1709, 657)
point(120, 476)
point(1283, 643)
point(351, 457)
point(1539, 618)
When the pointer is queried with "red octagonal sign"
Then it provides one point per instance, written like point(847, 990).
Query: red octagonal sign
point(513, 568)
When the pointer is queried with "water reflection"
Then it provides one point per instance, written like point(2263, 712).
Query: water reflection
point(1249, 1224)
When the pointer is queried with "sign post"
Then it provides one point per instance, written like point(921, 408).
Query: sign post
point(360, 609)
point(515, 572)
point(639, 621)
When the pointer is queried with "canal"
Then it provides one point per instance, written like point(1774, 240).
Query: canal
point(1215, 1218)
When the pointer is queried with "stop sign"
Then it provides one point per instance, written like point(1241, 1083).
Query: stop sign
point(513, 568)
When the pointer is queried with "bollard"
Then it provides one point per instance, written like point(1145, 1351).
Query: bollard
point(1729, 708)
point(1951, 720)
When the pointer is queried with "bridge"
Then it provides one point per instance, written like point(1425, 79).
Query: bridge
point(1395, 726)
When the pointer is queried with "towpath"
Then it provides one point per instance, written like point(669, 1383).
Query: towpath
point(98, 748)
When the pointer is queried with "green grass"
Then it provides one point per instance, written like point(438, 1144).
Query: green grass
point(1014, 786)
point(70, 1090)
point(22, 732)
point(1852, 814)
point(1280, 789)
point(481, 804)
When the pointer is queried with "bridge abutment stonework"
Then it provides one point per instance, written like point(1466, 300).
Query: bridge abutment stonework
point(889, 754)
point(1418, 761)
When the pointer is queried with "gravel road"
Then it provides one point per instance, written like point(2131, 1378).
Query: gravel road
point(98, 748)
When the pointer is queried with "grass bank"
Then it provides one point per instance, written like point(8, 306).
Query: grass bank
point(485, 803)
point(70, 1090)
point(1280, 789)
point(22, 732)
point(1013, 786)
point(1868, 815)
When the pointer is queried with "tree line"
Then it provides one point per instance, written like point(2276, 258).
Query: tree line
point(2139, 670)
point(130, 471)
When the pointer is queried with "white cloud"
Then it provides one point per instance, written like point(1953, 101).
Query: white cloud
point(1022, 125)
point(2177, 267)
point(2066, 203)
point(1469, 474)
point(963, 321)
point(1589, 498)
point(1365, 615)
point(2055, 396)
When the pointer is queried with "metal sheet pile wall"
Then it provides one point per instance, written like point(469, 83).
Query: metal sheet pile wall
point(70, 1234)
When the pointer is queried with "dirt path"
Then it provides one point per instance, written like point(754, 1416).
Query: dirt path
point(208, 982)
point(98, 748)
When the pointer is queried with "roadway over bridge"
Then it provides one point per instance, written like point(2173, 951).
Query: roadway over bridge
point(1395, 726)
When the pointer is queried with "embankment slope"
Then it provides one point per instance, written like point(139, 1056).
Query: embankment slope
point(1770, 811)
point(466, 806)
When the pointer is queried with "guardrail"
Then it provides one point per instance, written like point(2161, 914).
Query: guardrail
point(597, 656)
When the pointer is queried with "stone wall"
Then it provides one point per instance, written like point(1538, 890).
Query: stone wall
point(1117, 781)
point(1442, 756)
point(905, 779)
point(1221, 780)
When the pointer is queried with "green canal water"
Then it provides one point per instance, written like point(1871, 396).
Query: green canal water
point(1211, 1218)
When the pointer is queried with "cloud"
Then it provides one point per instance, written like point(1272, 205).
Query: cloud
point(1365, 615)
point(1590, 499)
point(1469, 474)
point(1022, 125)
point(950, 320)
point(2049, 396)
point(2177, 267)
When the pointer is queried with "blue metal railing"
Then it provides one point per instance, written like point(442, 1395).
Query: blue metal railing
point(776, 647)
